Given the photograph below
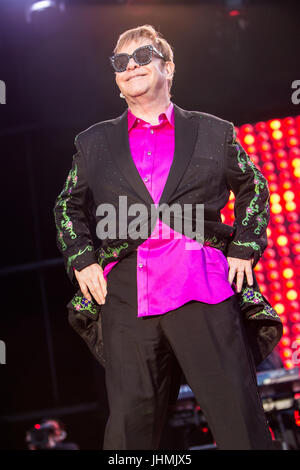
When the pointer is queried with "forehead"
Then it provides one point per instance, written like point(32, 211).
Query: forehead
point(130, 46)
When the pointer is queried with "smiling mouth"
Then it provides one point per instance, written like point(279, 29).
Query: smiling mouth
point(136, 76)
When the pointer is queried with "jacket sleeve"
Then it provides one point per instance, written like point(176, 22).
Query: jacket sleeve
point(71, 211)
point(252, 208)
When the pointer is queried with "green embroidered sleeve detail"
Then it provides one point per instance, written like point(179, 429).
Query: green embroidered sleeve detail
point(260, 183)
point(253, 245)
point(110, 253)
point(80, 303)
point(66, 223)
point(80, 252)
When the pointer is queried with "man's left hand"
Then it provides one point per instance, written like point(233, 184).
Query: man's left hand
point(239, 268)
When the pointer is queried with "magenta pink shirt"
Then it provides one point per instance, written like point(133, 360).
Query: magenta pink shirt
point(169, 274)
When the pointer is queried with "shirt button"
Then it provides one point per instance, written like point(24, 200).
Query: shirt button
point(146, 178)
point(149, 152)
point(152, 131)
point(141, 265)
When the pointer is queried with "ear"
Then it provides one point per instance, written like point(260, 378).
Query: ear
point(170, 68)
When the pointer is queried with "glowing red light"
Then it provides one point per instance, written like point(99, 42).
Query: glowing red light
point(290, 284)
point(275, 286)
point(295, 237)
point(294, 152)
point(287, 353)
point(297, 417)
point(288, 121)
point(278, 219)
point(277, 297)
point(265, 147)
point(275, 124)
point(271, 177)
point(292, 142)
point(247, 129)
point(278, 144)
point(296, 328)
point(263, 288)
point(260, 277)
point(251, 150)
point(286, 185)
point(277, 135)
point(291, 131)
point(285, 261)
point(288, 273)
point(249, 139)
point(286, 330)
point(280, 154)
point(283, 251)
point(261, 136)
point(296, 248)
point(294, 227)
point(283, 165)
point(282, 240)
point(292, 294)
point(268, 167)
point(284, 175)
point(273, 187)
point(280, 229)
point(292, 217)
point(294, 306)
point(260, 126)
point(37, 426)
point(295, 317)
point(270, 253)
point(285, 342)
point(272, 264)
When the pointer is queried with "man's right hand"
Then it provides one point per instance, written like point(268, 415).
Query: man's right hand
point(92, 282)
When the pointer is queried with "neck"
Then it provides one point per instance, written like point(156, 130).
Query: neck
point(148, 110)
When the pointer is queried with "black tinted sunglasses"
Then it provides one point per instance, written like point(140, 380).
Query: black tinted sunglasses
point(142, 56)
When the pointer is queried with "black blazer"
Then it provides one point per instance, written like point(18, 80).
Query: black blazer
point(208, 163)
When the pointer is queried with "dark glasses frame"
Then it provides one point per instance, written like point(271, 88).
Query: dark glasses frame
point(151, 49)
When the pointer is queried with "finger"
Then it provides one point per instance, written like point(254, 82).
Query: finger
point(96, 291)
point(231, 274)
point(240, 279)
point(99, 286)
point(249, 275)
point(84, 290)
point(103, 283)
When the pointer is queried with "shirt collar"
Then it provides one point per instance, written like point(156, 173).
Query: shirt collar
point(169, 114)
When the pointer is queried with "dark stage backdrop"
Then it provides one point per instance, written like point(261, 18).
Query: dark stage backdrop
point(59, 82)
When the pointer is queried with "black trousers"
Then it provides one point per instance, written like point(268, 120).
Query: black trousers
point(209, 343)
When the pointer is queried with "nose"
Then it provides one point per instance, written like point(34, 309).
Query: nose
point(132, 64)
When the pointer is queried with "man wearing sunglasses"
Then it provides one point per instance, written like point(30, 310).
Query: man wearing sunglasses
point(164, 307)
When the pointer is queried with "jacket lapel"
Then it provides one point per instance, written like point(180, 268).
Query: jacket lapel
point(185, 138)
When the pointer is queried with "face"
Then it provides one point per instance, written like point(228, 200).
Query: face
point(138, 80)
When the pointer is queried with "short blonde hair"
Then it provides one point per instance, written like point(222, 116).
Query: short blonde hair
point(156, 38)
